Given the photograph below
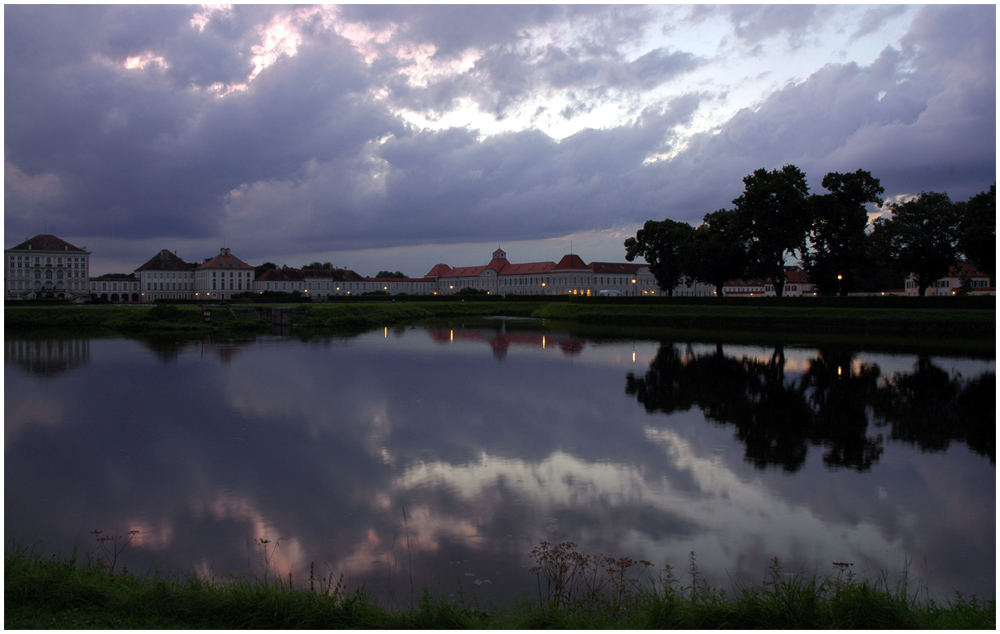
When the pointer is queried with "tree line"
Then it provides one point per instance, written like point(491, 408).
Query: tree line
point(776, 217)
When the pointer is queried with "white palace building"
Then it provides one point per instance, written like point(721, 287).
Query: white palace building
point(49, 267)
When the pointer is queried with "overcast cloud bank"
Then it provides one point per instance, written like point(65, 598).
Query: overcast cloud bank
point(301, 133)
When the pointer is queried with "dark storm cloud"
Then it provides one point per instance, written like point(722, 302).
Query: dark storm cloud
point(315, 151)
point(921, 119)
point(509, 72)
point(142, 152)
point(452, 186)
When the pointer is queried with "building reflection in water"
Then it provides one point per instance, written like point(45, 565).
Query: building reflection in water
point(47, 357)
point(501, 340)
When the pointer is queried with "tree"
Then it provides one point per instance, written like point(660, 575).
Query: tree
point(922, 236)
point(717, 253)
point(663, 245)
point(394, 274)
point(978, 226)
point(882, 271)
point(835, 260)
point(774, 218)
point(262, 268)
point(319, 266)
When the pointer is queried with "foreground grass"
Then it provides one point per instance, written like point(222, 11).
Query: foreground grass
point(64, 594)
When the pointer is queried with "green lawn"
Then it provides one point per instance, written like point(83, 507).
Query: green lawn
point(973, 322)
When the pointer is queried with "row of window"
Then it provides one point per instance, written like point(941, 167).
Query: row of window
point(24, 285)
point(21, 261)
point(547, 281)
point(951, 282)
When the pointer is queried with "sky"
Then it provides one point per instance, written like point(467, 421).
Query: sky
point(397, 137)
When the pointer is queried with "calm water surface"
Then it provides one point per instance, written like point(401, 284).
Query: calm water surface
point(410, 457)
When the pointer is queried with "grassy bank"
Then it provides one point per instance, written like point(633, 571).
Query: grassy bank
point(973, 322)
point(164, 319)
point(67, 594)
point(931, 322)
point(974, 326)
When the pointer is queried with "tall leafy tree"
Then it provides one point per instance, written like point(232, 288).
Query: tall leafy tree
point(663, 244)
point(717, 252)
point(883, 272)
point(978, 239)
point(922, 236)
point(836, 255)
point(774, 216)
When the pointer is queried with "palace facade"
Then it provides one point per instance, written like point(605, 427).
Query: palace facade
point(569, 276)
point(49, 267)
point(46, 266)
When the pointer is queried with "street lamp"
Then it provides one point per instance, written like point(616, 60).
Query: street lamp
point(840, 284)
point(633, 285)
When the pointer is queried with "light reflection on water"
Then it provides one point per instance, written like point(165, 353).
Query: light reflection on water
point(444, 455)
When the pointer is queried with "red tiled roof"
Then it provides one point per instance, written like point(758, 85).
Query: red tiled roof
point(497, 264)
point(439, 270)
point(46, 242)
point(795, 275)
point(225, 260)
point(166, 261)
point(336, 275)
point(751, 282)
point(528, 268)
point(399, 279)
point(280, 275)
point(570, 261)
point(465, 271)
point(615, 267)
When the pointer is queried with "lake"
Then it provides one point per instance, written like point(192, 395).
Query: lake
point(412, 457)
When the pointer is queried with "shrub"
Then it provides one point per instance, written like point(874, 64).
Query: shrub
point(164, 312)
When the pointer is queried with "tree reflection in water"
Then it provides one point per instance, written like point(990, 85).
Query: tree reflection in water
point(837, 403)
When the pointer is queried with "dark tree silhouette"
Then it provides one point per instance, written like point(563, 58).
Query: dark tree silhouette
point(922, 236)
point(836, 256)
point(717, 253)
point(836, 404)
point(839, 399)
point(663, 245)
point(978, 224)
point(774, 216)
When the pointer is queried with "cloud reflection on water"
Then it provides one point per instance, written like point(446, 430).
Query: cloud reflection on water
point(394, 454)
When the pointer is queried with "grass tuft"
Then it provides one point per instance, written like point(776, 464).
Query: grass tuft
point(601, 593)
